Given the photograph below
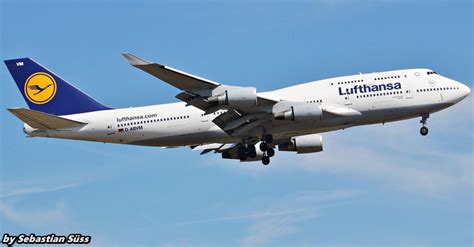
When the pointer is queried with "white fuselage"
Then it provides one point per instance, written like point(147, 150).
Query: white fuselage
point(380, 97)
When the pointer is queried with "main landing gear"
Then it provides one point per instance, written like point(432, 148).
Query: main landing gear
point(247, 150)
point(266, 149)
point(424, 129)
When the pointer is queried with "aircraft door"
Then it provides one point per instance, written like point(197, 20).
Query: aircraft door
point(347, 100)
point(408, 90)
point(408, 86)
point(432, 84)
point(110, 129)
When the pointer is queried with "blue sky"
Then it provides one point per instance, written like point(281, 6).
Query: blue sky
point(373, 185)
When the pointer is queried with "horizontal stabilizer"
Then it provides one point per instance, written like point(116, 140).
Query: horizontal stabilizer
point(41, 120)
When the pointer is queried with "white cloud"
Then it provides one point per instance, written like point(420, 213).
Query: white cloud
point(272, 218)
point(33, 217)
point(257, 215)
point(283, 218)
point(34, 190)
point(37, 218)
point(364, 162)
point(267, 229)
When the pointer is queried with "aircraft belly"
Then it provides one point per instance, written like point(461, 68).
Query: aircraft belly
point(174, 140)
point(389, 114)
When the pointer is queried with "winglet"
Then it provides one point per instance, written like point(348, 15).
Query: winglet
point(134, 60)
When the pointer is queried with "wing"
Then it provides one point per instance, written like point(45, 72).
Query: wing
point(244, 118)
point(197, 91)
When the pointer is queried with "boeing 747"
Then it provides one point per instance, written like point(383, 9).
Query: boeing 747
point(237, 122)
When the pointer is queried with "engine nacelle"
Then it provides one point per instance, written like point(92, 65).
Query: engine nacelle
point(238, 97)
point(301, 112)
point(303, 144)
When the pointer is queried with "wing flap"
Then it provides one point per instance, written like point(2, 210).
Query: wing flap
point(216, 147)
point(194, 100)
point(41, 120)
point(225, 118)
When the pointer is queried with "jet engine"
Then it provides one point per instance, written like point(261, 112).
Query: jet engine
point(301, 112)
point(238, 97)
point(303, 144)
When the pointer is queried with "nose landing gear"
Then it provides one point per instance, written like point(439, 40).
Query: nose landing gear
point(424, 129)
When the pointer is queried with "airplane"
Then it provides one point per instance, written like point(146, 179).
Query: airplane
point(237, 122)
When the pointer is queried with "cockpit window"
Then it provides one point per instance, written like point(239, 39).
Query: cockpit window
point(430, 72)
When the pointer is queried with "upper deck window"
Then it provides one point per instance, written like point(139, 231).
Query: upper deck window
point(430, 72)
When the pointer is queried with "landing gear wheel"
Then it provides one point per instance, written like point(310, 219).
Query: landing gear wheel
point(242, 153)
point(265, 160)
point(251, 152)
point(243, 157)
point(271, 152)
point(268, 138)
point(424, 131)
point(263, 146)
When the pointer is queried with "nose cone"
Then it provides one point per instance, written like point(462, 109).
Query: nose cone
point(464, 90)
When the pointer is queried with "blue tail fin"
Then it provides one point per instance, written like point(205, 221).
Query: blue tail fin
point(46, 92)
